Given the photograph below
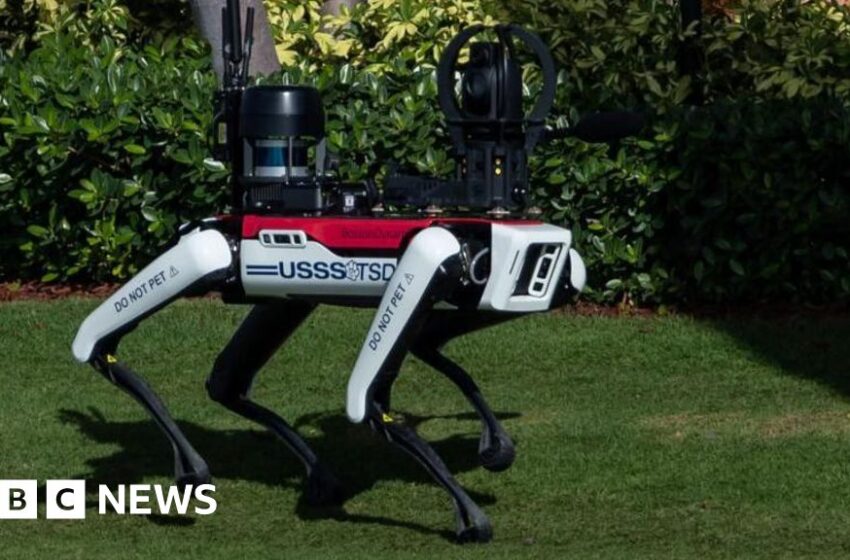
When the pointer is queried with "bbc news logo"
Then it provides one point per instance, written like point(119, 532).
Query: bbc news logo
point(66, 499)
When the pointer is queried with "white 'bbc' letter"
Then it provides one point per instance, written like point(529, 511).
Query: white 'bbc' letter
point(212, 505)
point(18, 499)
point(66, 499)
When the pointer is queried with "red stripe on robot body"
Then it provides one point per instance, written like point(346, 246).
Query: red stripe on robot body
point(357, 232)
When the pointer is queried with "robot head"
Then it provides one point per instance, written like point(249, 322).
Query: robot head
point(491, 84)
point(492, 136)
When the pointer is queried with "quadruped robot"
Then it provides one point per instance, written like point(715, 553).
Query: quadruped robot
point(467, 253)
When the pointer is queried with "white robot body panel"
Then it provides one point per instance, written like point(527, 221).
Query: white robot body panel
point(578, 272)
point(526, 264)
point(195, 256)
point(310, 269)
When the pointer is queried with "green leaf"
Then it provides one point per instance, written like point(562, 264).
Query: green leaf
point(654, 86)
point(149, 214)
point(37, 231)
point(134, 149)
point(598, 53)
point(736, 267)
point(614, 284)
point(131, 188)
point(346, 74)
point(699, 270)
point(41, 123)
point(213, 165)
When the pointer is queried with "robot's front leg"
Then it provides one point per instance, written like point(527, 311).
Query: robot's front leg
point(199, 262)
point(495, 450)
point(428, 270)
point(259, 336)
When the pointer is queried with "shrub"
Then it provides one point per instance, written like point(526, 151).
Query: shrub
point(742, 198)
point(706, 206)
point(103, 151)
point(23, 22)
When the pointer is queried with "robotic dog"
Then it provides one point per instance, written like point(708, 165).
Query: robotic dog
point(468, 256)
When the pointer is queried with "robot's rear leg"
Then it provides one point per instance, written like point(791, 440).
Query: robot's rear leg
point(263, 331)
point(199, 262)
point(189, 467)
point(495, 450)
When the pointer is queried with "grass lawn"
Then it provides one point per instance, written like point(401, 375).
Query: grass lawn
point(636, 437)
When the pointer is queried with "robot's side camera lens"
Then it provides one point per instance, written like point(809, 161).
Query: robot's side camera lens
point(476, 92)
point(479, 56)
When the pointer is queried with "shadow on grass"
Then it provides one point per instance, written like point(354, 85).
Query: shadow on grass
point(816, 348)
point(359, 458)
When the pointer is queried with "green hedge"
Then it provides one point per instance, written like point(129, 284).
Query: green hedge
point(103, 151)
point(741, 199)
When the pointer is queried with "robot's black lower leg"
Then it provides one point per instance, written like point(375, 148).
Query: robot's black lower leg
point(495, 450)
point(189, 467)
point(472, 523)
point(259, 336)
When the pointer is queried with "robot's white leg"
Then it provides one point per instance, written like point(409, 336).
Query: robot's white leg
point(410, 292)
point(495, 449)
point(197, 263)
point(259, 336)
point(429, 269)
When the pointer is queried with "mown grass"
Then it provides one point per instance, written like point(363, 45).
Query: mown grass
point(637, 437)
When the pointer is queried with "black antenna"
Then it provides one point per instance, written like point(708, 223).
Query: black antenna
point(226, 42)
point(235, 30)
point(236, 57)
point(249, 43)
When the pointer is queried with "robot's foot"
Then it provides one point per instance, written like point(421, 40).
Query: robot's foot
point(189, 466)
point(496, 451)
point(473, 526)
point(323, 488)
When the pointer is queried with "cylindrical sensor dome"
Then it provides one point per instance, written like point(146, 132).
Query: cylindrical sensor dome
point(280, 111)
point(282, 132)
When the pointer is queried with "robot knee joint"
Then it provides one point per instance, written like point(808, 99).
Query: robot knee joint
point(220, 392)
